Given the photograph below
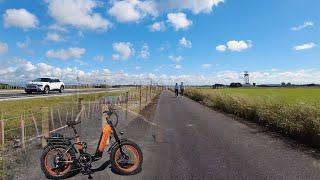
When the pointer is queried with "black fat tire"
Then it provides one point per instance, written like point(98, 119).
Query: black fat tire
point(46, 90)
point(61, 89)
point(115, 168)
point(44, 170)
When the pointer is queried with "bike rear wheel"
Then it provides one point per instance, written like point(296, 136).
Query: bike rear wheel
point(51, 168)
point(128, 163)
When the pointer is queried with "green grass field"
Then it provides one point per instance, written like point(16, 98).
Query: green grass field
point(287, 95)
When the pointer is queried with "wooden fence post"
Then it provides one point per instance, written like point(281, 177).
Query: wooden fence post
point(102, 108)
point(80, 103)
point(140, 99)
point(72, 115)
point(52, 120)
point(127, 101)
point(67, 114)
point(45, 126)
point(146, 95)
point(22, 127)
point(60, 117)
point(2, 133)
point(35, 123)
point(150, 91)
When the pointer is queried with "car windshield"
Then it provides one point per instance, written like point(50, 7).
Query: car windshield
point(41, 80)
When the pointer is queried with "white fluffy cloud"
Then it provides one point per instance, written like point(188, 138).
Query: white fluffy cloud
point(157, 26)
point(196, 6)
point(78, 13)
point(304, 46)
point(64, 54)
point(221, 48)
point(124, 50)
point(132, 10)
point(20, 18)
point(302, 26)
point(185, 43)
point(179, 20)
point(238, 45)
point(53, 37)
point(176, 59)
point(206, 66)
point(3, 48)
point(144, 53)
point(234, 45)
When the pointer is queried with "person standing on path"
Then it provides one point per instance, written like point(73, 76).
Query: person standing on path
point(181, 88)
point(176, 89)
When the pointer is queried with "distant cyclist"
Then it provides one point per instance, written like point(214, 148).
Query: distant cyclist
point(176, 89)
point(181, 88)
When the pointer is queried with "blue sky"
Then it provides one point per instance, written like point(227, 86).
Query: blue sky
point(133, 41)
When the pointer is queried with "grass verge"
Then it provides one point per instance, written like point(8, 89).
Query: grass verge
point(297, 120)
point(16, 107)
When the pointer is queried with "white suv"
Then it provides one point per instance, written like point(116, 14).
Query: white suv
point(44, 85)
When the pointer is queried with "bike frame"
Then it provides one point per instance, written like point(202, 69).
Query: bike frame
point(104, 140)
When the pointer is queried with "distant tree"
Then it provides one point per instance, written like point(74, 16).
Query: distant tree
point(235, 85)
point(215, 86)
point(283, 84)
point(312, 84)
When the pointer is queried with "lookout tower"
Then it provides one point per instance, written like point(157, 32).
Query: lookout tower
point(246, 78)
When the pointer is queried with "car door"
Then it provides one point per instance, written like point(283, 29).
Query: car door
point(53, 84)
point(57, 83)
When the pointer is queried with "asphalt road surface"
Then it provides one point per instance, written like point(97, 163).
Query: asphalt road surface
point(20, 94)
point(186, 140)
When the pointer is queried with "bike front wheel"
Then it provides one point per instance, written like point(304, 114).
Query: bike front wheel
point(127, 162)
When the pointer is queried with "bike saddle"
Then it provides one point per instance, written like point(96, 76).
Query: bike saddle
point(73, 123)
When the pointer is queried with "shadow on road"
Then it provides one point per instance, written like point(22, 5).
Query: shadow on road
point(102, 167)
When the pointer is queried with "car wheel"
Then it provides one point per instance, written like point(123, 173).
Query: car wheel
point(61, 89)
point(46, 90)
point(29, 92)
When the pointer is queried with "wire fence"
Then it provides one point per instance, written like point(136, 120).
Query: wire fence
point(32, 127)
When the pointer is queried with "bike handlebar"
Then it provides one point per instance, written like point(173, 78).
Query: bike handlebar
point(112, 111)
point(73, 123)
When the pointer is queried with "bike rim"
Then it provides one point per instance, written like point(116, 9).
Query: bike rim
point(49, 163)
point(133, 161)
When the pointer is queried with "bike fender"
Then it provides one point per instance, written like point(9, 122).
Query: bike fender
point(116, 143)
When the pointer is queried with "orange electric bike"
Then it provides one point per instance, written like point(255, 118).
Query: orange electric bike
point(64, 157)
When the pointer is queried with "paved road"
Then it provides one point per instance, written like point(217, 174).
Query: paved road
point(20, 94)
point(189, 141)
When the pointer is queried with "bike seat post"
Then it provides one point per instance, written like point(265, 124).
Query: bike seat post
point(74, 130)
